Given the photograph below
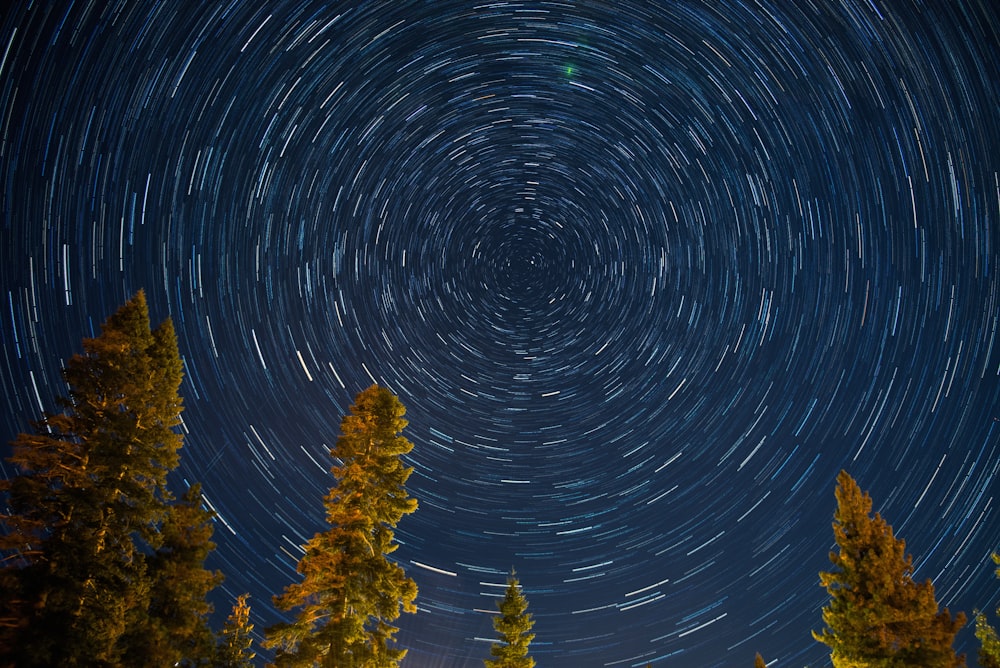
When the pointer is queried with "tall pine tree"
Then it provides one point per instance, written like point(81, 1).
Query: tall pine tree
point(878, 617)
point(351, 592)
point(514, 625)
point(90, 499)
point(173, 629)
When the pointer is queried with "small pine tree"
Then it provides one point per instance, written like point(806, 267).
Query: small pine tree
point(514, 625)
point(350, 590)
point(758, 661)
point(236, 644)
point(878, 617)
point(989, 643)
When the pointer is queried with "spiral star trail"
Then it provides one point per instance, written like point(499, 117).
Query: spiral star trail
point(646, 276)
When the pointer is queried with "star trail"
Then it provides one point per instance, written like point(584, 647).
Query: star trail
point(646, 276)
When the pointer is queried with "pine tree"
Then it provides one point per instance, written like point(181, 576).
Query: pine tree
point(878, 617)
point(235, 648)
point(173, 630)
point(989, 642)
point(514, 625)
point(758, 661)
point(90, 497)
point(350, 590)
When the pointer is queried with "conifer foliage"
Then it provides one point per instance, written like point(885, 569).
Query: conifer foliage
point(351, 592)
point(83, 521)
point(758, 661)
point(989, 642)
point(877, 615)
point(514, 625)
point(173, 630)
point(236, 644)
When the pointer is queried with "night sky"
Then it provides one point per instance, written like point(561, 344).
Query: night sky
point(646, 276)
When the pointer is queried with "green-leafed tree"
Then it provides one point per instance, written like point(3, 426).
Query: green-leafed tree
point(513, 624)
point(173, 630)
point(878, 617)
point(235, 649)
point(758, 661)
point(90, 497)
point(351, 592)
point(989, 643)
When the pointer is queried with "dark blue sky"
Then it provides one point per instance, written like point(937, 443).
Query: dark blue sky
point(646, 276)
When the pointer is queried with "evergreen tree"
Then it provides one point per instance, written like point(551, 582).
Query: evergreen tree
point(90, 498)
point(878, 617)
point(350, 590)
point(514, 626)
point(235, 648)
point(989, 643)
point(758, 661)
point(173, 630)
